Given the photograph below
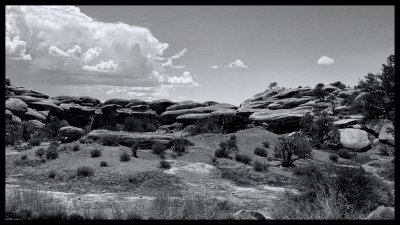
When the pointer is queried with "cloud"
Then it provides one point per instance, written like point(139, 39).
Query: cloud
point(214, 67)
point(237, 64)
point(63, 43)
point(185, 79)
point(325, 60)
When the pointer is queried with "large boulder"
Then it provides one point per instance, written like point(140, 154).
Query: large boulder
point(28, 99)
point(281, 120)
point(80, 100)
point(25, 91)
point(139, 108)
point(69, 134)
point(33, 114)
point(77, 115)
point(145, 140)
point(386, 135)
point(250, 215)
point(185, 105)
point(45, 105)
point(106, 117)
point(288, 103)
point(346, 122)
point(137, 121)
point(34, 124)
point(135, 102)
point(159, 106)
point(375, 126)
point(11, 118)
point(117, 101)
point(354, 139)
point(381, 213)
point(16, 106)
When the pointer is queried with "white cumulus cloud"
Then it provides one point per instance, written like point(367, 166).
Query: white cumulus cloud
point(237, 64)
point(214, 67)
point(185, 79)
point(325, 60)
point(63, 41)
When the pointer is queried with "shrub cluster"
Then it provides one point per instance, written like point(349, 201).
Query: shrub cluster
point(227, 147)
point(52, 153)
point(333, 157)
point(124, 157)
point(103, 164)
point(179, 145)
point(84, 171)
point(110, 140)
point(261, 152)
point(207, 126)
point(95, 153)
point(345, 154)
point(266, 144)
point(35, 141)
point(243, 158)
point(286, 147)
point(76, 147)
point(40, 152)
point(159, 149)
point(260, 166)
point(165, 164)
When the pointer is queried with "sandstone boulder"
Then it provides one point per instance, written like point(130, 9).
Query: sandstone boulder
point(11, 118)
point(250, 215)
point(135, 102)
point(386, 135)
point(159, 106)
point(346, 122)
point(80, 100)
point(288, 103)
point(16, 106)
point(185, 105)
point(145, 140)
point(77, 115)
point(354, 139)
point(32, 114)
point(26, 91)
point(381, 213)
point(69, 134)
point(139, 108)
point(117, 101)
point(45, 105)
point(34, 124)
point(28, 99)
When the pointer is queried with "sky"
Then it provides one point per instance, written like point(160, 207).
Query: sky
point(199, 53)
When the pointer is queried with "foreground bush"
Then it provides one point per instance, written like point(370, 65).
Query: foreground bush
point(84, 171)
point(135, 146)
point(110, 140)
point(345, 154)
point(35, 141)
point(334, 193)
point(13, 134)
point(179, 145)
point(124, 157)
point(165, 164)
point(297, 144)
point(103, 164)
point(259, 166)
point(159, 149)
point(95, 153)
point(227, 147)
point(52, 153)
point(333, 157)
point(40, 152)
point(76, 147)
point(261, 152)
point(243, 158)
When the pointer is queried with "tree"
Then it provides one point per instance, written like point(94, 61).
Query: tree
point(331, 98)
point(319, 92)
point(288, 146)
point(273, 85)
point(338, 84)
point(380, 91)
point(321, 130)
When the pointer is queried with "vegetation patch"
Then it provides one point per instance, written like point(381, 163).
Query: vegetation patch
point(261, 152)
point(243, 158)
point(84, 171)
point(110, 140)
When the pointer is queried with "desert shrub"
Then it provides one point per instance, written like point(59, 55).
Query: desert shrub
point(321, 131)
point(53, 125)
point(159, 149)
point(179, 145)
point(165, 164)
point(25, 161)
point(103, 164)
point(124, 157)
point(35, 141)
point(243, 176)
point(345, 154)
point(135, 146)
point(333, 157)
point(52, 174)
point(266, 144)
point(31, 131)
point(110, 140)
point(214, 160)
point(76, 147)
point(383, 151)
point(54, 144)
point(380, 92)
point(94, 153)
point(338, 84)
point(75, 216)
point(243, 158)
point(23, 157)
point(84, 171)
point(260, 166)
point(13, 133)
point(297, 144)
point(52, 153)
point(227, 147)
point(319, 91)
point(308, 170)
point(134, 216)
point(204, 127)
point(40, 152)
point(261, 152)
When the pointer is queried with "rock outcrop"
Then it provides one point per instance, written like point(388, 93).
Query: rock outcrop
point(354, 139)
point(69, 134)
point(16, 106)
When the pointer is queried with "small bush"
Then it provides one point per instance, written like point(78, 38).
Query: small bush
point(165, 164)
point(84, 171)
point(345, 154)
point(35, 141)
point(227, 147)
point(110, 140)
point(159, 148)
point(52, 174)
point(40, 152)
point(220, 153)
point(243, 158)
point(179, 145)
point(214, 160)
point(266, 144)
point(383, 151)
point(52, 153)
point(54, 144)
point(333, 157)
point(297, 144)
point(95, 153)
point(103, 164)
point(23, 157)
point(261, 152)
point(125, 157)
point(135, 146)
point(76, 148)
point(306, 170)
point(259, 166)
